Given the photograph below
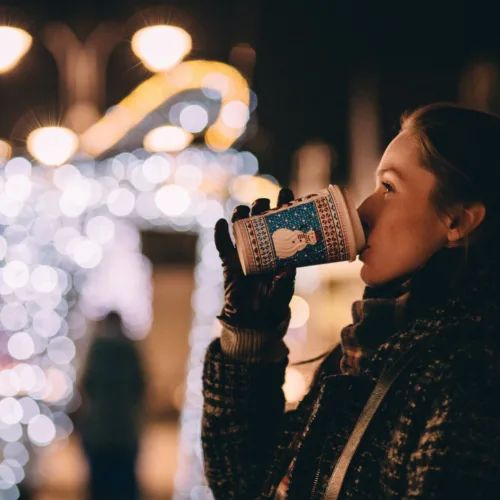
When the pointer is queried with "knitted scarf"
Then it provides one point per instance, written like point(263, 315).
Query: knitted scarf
point(374, 320)
point(391, 318)
point(443, 285)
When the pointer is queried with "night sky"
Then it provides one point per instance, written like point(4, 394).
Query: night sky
point(307, 53)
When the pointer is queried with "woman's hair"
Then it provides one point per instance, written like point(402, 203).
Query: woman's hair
point(461, 147)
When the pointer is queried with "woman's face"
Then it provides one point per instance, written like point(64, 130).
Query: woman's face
point(403, 228)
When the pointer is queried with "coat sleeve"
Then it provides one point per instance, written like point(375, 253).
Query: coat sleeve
point(458, 453)
point(245, 428)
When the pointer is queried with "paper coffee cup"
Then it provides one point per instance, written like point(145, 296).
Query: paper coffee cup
point(315, 229)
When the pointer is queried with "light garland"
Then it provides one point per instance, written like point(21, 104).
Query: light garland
point(61, 230)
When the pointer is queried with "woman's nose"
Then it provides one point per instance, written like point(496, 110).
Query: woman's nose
point(366, 215)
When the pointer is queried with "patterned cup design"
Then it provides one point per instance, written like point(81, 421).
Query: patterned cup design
point(316, 229)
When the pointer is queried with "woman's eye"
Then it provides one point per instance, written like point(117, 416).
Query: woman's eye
point(389, 188)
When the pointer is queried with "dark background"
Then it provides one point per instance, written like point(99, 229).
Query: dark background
point(307, 53)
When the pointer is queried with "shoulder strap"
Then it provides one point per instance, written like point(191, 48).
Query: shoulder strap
point(378, 394)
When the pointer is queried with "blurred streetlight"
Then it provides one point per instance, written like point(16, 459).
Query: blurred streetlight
point(5, 151)
point(167, 139)
point(52, 145)
point(300, 311)
point(247, 188)
point(14, 43)
point(161, 47)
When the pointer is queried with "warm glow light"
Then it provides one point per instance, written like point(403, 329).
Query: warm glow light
point(153, 93)
point(235, 114)
point(300, 312)
point(172, 200)
point(248, 188)
point(14, 43)
point(52, 145)
point(5, 151)
point(161, 47)
point(194, 118)
point(167, 139)
point(295, 385)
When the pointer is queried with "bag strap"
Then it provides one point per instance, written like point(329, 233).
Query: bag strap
point(378, 394)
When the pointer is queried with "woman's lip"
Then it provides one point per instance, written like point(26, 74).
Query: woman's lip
point(362, 252)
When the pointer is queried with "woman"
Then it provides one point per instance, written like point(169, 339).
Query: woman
point(430, 266)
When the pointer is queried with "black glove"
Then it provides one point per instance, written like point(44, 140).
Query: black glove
point(255, 301)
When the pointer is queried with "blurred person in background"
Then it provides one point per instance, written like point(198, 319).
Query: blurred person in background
point(432, 272)
point(113, 387)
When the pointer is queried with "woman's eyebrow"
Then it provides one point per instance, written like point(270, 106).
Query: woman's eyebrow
point(390, 170)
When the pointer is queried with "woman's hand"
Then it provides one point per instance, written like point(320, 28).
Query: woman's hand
point(256, 301)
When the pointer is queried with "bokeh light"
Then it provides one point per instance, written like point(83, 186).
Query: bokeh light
point(65, 176)
point(100, 229)
point(41, 430)
point(13, 316)
point(217, 82)
point(161, 47)
point(71, 250)
point(11, 412)
point(52, 145)
point(14, 42)
point(235, 114)
point(167, 139)
point(5, 151)
point(211, 77)
point(156, 169)
point(87, 253)
point(246, 189)
point(121, 201)
point(172, 200)
point(193, 118)
point(295, 385)
point(16, 274)
point(61, 350)
point(188, 176)
point(21, 346)
point(300, 312)
point(44, 279)
point(46, 322)
point(18, 166)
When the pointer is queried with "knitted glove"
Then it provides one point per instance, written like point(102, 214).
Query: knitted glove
point(257, 302)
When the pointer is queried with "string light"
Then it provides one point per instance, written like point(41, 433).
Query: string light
point(15, 43)
point(217, 77)
point(87, 255)
point(52, 145)
point(161, 47)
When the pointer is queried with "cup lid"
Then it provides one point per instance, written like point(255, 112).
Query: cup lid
point(355, 229)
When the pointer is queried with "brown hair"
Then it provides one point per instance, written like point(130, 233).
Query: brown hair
point(460, 147)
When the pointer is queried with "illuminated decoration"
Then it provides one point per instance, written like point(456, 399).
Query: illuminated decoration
point(14, 43)
point(52, 145)
point(193, 118)
point(167, 139)
point(247, 188)
point(300, 312)
point(70, 252)
point(5, 152)
point(161, 47)
point(70, 248)
point(214, 78)
point(295, 385)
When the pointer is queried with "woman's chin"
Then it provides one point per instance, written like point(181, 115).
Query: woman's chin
point(364, 274)
point(371, 278)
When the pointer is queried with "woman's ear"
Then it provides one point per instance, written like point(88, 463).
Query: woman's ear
point(466, 219)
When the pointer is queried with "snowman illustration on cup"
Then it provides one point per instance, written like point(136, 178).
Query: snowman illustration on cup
point(288, 242)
